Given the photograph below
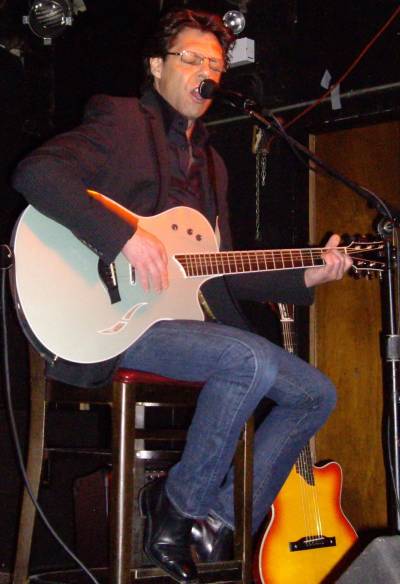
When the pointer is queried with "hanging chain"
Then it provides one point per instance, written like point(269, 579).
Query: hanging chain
point(261, 175)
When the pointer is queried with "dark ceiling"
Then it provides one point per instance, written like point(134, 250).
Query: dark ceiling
point(295, 40)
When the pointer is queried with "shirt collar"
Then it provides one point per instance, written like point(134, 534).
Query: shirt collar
point(173, 119)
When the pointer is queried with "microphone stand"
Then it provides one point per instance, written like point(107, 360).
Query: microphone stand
point(390, 336)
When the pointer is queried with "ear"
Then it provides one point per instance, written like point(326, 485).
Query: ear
point(156, 65)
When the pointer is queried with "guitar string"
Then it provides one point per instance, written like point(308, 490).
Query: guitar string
point(211, 263)
point(312, 503)
point(307, 510)
point(301, 471)
point(310, 507)
point(273, 254)
point(288, 339)
point(249, 260)
point(304, 461)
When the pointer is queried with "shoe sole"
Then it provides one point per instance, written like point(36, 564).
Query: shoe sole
point(143, 513)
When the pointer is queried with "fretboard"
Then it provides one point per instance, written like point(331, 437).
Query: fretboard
point(304, 462)
point(304, 465)
point(238, 262)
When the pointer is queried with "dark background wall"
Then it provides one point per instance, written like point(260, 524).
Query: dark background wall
point(44, 93)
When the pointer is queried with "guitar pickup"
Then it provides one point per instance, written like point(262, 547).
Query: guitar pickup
point(311, 543)
point(108, 276)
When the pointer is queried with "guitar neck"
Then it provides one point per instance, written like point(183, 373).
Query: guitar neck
point(239, 262)
point(304, 462)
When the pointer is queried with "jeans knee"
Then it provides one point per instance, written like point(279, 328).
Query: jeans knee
point(247, 367)
point(328, 397)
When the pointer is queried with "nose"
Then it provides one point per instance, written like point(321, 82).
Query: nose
point(204, 69)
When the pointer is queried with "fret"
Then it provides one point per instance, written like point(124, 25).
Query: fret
point(249, 265)
point(196, 265)
point(270, 260)
point(280, 262)
point(235, 261)
point(250, 261)
point(308, 258)
point(190, 266)
point(224, 267)
point(232, 263)
point(262, 261)
point(242, 264)
point(202, 264)
point(199, 265)
point(211, 260)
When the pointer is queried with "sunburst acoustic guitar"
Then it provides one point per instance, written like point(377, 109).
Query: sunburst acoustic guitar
point(308, 534)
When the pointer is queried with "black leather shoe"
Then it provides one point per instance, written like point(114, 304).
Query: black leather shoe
point(167, 533)
point(212, 540)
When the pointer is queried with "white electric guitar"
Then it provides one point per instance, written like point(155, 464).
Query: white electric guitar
point(84, 311)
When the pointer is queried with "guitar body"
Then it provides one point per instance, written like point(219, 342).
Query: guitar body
point(67, 307)
point(291, 521)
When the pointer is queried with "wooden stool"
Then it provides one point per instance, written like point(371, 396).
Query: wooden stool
point(130, 393)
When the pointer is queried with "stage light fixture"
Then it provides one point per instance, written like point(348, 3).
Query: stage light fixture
point(234, 20)
point(47, 19)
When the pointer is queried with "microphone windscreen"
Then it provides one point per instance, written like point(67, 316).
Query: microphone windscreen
point(207, 88)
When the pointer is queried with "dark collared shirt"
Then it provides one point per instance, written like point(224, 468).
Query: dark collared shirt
point(190, 183)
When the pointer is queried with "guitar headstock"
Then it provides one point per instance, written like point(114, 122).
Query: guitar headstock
point(368, 256)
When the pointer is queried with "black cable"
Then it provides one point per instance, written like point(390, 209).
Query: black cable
point(14, 431)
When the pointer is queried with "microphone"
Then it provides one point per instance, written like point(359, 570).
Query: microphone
point(209, 89)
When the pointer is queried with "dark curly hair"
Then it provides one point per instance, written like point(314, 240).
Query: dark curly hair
point(173, 23)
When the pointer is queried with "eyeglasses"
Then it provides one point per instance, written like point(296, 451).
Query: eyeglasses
point(191, 58)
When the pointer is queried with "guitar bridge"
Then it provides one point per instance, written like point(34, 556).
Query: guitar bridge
point(311, 543)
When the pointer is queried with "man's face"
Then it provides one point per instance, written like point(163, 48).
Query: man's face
point(177, 82)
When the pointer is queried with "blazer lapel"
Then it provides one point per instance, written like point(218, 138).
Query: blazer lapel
point(161, 152)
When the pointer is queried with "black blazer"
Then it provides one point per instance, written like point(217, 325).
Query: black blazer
point(120, 150)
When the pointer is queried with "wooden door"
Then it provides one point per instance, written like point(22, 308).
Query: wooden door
point(345, 319)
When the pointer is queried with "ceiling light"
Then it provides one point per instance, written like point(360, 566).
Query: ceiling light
point(47, 19)
point(234, 20)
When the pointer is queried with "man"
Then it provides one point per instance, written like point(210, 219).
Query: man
point(150, 155)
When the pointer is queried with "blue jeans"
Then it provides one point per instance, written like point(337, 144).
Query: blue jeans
point(240, 369)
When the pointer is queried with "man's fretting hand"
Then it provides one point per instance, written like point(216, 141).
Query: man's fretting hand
point(147, 254)
point(336, 265)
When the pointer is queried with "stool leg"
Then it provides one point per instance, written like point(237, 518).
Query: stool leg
point(122, 482)
point(33, 470)
point(244, 500)
point(139, 479)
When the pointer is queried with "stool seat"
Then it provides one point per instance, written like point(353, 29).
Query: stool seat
point(130, 393)
point(135, 376)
